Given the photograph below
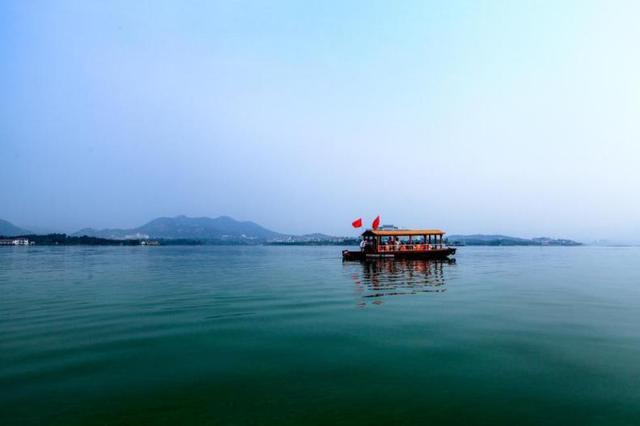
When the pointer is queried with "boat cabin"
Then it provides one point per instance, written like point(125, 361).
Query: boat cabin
point(402, 240)
point(401, 243)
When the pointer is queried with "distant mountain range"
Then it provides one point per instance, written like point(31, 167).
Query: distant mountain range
point(227, 230)
point(183, 227)
point(9, 229)
point(223, 229)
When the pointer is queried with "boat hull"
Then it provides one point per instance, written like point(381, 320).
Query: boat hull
point(433, 254)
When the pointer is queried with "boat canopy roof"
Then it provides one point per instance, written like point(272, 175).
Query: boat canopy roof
point(402, 232)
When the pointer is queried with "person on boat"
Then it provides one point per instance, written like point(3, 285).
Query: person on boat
point(363, 244)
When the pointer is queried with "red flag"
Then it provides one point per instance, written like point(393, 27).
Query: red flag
point(376, 223)
point(357, 223)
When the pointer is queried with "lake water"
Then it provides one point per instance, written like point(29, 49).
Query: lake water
point(292, 336)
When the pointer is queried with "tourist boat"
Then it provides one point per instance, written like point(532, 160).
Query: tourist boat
point(401, 244)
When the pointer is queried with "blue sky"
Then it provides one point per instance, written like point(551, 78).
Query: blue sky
point(493, 117)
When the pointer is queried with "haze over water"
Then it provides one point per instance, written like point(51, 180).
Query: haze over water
point(277, 335)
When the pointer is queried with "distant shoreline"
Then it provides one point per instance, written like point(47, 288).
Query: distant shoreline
point(457, 241)
point(226, 231)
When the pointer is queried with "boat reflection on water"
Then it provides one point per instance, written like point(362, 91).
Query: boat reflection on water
point(375, 280)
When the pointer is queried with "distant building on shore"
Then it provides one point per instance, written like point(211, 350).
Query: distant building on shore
point(15, 242)
point(388, 228)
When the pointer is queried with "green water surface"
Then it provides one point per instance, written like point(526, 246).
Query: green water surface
point(293, 336)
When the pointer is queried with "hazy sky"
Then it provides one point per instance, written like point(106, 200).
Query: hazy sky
point(493, 117)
